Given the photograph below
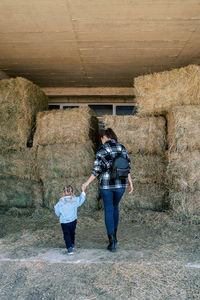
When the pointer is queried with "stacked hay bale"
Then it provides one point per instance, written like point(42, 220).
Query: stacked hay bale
point(176, 94)
point(145, 140)
point(157, 93)
point(183, 171)
point(20, 100)
point(66, 141)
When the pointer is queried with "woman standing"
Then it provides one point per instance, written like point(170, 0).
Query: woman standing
point(111, 189)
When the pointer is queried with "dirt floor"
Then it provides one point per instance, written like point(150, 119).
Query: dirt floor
point(158, 257)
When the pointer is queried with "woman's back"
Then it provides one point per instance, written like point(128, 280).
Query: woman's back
point(104, 162)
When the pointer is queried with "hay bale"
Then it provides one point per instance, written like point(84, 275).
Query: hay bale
point(183, 171)
point(139, 135)
point(52, 190)
point(158, 92)
point(184, 128)
point(65, 160)
point(18, 192)
point(20, 163)
point(146, 196)
point(20, 100)
point(175, 83)
point(78, 125)
point(147, 168)
point(185, 204)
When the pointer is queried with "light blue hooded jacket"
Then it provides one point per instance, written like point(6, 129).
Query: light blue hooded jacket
point(67, 211)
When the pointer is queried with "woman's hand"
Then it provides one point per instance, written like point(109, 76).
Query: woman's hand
point(83, 188)
point(84, 185)
point(130, 188)
point(90, 179)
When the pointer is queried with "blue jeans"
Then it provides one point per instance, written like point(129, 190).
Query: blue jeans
point(111, 198)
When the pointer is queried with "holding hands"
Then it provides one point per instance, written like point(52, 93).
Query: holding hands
point(83, 188)
point(90, 179)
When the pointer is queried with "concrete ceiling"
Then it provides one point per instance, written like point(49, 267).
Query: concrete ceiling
point(96, 42)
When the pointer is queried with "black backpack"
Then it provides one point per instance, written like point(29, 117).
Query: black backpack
point(120, 168)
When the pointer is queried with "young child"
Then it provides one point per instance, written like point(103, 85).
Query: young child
point(66, 209)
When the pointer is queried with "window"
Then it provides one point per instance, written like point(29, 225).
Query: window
point(54, 106)
point(103, 109)
point(124, 110)
point(70, 106)
point(100, 109)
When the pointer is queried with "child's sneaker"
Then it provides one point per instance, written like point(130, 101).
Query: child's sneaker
point(73, 246)
point(70, 250)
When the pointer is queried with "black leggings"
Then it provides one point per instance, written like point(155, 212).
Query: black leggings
point(69, 233)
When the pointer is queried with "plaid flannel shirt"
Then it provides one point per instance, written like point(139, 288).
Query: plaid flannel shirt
point(103, 164)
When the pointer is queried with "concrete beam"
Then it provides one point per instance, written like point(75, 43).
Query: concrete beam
point(82, 91)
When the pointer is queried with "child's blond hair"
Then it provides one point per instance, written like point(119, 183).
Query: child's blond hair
point(68, 191)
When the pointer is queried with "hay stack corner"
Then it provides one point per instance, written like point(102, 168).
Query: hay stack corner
point(20, 101)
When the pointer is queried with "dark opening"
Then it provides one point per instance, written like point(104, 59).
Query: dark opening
point(29, 143)
point(54, 106)
point(124, 110)
point(68, 106)
point(101, 110)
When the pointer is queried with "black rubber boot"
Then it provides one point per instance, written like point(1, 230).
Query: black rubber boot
point(111, 246)
point(115, 236)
